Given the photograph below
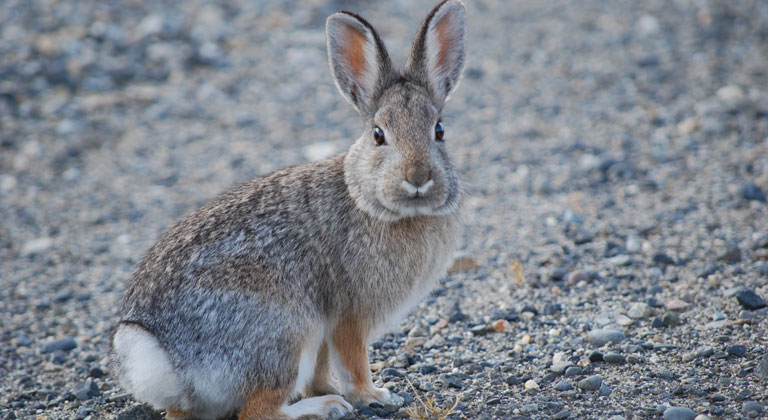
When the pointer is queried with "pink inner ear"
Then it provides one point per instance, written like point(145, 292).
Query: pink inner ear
point(354, 50)
point(445, 38)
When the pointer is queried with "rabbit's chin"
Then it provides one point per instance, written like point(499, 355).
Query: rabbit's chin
point(392, 212)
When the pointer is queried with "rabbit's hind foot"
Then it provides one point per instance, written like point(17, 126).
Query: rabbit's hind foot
point(329, 407)
point(271, 404)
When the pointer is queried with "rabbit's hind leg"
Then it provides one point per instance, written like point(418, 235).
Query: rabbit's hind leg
point(270, 403)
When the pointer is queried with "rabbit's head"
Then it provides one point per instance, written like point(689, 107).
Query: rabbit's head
point(399, 167)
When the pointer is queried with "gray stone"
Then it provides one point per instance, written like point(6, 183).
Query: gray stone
point(705, 351)
point(671, 319)
point(63, 344)
point(577, 276)
point(620, 260)
point(139, 412)
point(605, 390)
point(639, 310)
point(762, 367)
point(750, 300)
point(529, 408)
point(751, 408)
point(736, 350)
point(564, 386)
point(679, 413)
point(661, 258)
point(560, 367)
point(562, 415)
point(86, 390)
point(591, 383)
point(393, 403)
point(732, 255)
point(573, 371)
point(751, 191)
point(601, 337)
point(614, 358)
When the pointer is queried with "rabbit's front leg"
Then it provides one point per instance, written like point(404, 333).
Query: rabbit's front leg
point(350, 356)
point(322, 381)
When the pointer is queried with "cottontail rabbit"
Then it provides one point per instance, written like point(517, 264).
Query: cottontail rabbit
point(254, 299)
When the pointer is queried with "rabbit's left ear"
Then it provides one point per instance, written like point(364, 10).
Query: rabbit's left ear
point(358, 59)
point(438, 52)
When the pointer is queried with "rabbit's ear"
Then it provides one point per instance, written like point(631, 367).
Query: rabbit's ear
point(358, 58)
point(437, 55)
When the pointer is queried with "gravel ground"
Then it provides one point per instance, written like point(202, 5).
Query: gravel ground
point(615, 259)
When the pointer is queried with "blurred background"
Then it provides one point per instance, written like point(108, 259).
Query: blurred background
point(583, 130)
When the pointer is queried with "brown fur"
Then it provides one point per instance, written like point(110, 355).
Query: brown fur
point(349, 340)
point(264, 404)
point(177, 415)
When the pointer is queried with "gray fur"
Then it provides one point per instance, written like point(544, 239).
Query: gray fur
point(237, 286)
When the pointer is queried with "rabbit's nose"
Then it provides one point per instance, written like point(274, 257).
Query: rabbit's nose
point(418, 175)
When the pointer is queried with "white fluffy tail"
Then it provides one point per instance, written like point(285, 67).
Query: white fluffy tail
point(145, 370)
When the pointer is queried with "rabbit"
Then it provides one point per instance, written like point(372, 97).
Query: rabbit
point(263, 301)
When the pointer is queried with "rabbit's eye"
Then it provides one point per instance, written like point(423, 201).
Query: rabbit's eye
point(378, 136)
point(439, 131)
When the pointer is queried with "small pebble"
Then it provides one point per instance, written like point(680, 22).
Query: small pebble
point(501, 326)
point(705, 351)
point(671, 319)
point(679, 413)
point(573, 371)
point(562, 415)
point(639, 310)
point(737, 350)
point(427, 369)
point(86, 390)
point(560, 367)
point(750, 300)
point(139, 412)
point(601, 337)
point(657, 323)
point(620, 260)
point(564, 386)
point(591, 383)
point(677, 305)
point(762, 367)
point(577, 276)
point(751, 408)
point(531, 385)
point(605, 390)
point(661, 258)
point(64, 344)
point(732, 255)
point(615, 358)
point(751, 191)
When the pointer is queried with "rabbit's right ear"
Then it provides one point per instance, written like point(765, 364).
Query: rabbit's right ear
point(438, 53)
point(358, 59)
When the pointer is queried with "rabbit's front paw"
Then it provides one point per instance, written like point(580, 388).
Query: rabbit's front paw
point(369, 395)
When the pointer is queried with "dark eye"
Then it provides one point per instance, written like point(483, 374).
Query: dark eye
point(439, 131)
point(378, 136)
